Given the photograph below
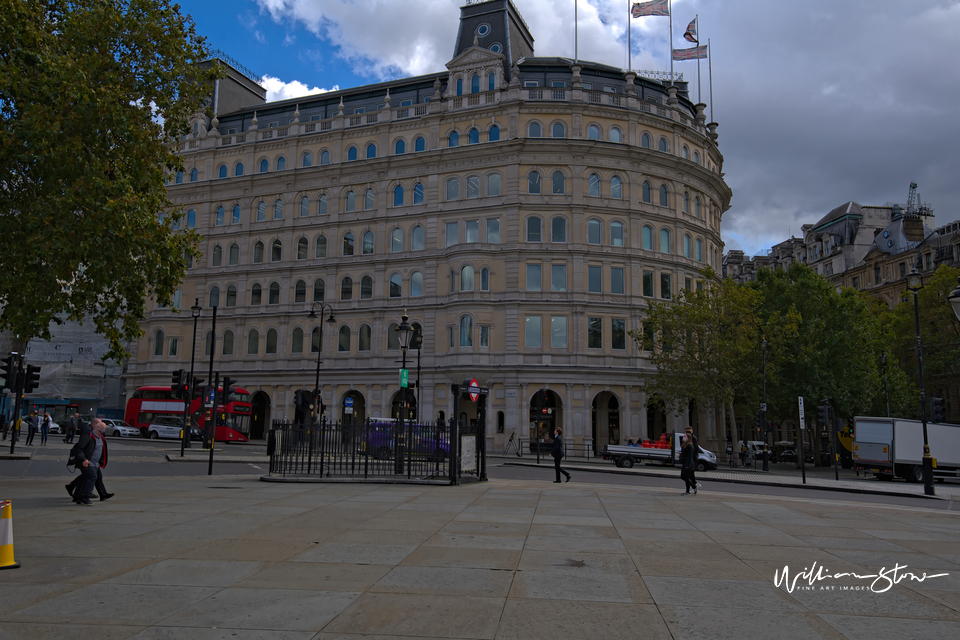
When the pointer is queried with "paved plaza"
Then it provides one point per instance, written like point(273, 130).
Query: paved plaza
point(235, 558)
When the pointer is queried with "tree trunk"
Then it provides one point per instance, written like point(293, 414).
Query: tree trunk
point(733, 425)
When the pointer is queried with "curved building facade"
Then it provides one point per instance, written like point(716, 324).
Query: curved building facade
point(523, 211)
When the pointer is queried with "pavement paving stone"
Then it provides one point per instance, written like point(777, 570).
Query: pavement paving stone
point(406, 615)
point(446, 581)
point(136, 548)
point(873, 627)
point(464, 557)
point(865, 544)
point(317, 576)
point(754, 595)
point(32, 631)
point(583, 586)
point(573, 531)
point(195, 633)
point(574, 544)
point(574, 620)
point(695, 622)
point(190, 573)
point(475, 541)
point(899, 604)
point(353, 553)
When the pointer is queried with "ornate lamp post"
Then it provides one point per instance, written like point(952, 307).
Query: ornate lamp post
point(195, 312)
point(404, 331)
point(886, 390)
point(914, 284)
point(331, 321)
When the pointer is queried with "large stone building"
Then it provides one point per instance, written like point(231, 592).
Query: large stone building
point(522, 210)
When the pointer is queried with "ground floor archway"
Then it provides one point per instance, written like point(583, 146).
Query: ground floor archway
point(605, 420)
point(411, 404)
point(546, 413)
point(260, 419)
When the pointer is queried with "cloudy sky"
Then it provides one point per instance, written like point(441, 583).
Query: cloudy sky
point(818, 101)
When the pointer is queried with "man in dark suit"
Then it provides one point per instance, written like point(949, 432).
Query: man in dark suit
point(89, 456)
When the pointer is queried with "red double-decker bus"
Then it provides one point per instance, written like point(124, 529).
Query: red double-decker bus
point(233, 417)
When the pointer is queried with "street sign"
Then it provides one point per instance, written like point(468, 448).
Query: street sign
point(763, 406)
point(348, 401)
point(802, 425)
point(473, 389)
point(348, 410)
point(208, 401)
point(404, 377)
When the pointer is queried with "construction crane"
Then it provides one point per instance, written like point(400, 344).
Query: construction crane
point(914, 206)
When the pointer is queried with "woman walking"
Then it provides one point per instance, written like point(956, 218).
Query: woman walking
point(688, 465)
point(557, 454)
point(45, 429)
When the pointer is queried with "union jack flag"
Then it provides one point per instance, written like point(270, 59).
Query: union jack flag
point(652, 8)
point(690, 54)
point(691, 33)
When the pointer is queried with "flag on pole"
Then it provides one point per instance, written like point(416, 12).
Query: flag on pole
point(693, 53)
point(652, 8)
point(691, 33)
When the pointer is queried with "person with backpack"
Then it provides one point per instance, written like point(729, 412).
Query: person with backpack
point(558, 454)
point(89, 457)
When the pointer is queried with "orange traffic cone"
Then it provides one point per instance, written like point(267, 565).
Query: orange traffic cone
point(6, 536)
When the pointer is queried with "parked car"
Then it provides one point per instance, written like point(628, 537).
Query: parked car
point(790, 455)
point(169, 427)
point(119, 429)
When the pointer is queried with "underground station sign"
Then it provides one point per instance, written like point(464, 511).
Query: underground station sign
point(473, 389)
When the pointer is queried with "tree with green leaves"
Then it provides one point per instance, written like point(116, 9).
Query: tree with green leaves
point(95, 96)
point(706, 345)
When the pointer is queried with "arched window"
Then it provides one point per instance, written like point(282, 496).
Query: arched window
point(664, 241)
point(393, 338)
point(466, 278)
point(453, 188)
point(351, 154)
point(533, 130)
point(322, 204)
point(315, 340)
point(264, 166)
point(696, 157)
point(278, 210)
point(227, 343)
point(616, 234)
point(271, 346)
point(493, 184)
point(399, 147)
point(593, 187)
point(484, 279)
point(473, 136)
point(698, 247)
point(416, 239)
point(208, 343)
point(218, 219)
point(645, 141)
point(179, 178)
point(696, 206)
point(273, 296)
point(459, 86)
point(238, 170)
point(281, 163)
point(158, 339)
point(346, 289)
point(215, 297)
point(191, 219)
point(396, 285)
point(396, 240)
point(258, 252)
point(321, 250)
point(236, 214)
point(491, 81)
point(494, 133)
point(662, 145)
point(453, 140)
point(558, 130)
point(307, 161)
point(418, 193)
point(222, 172)
point(367, 243)
point(366, 288)
point(177, 299)
point(217, 256)
point(253, 342)
point(261, 211)
point(593, 132)
point(686, 246)
point(304, 207)
point(466, 331)
point(371, 150)
point(369, 200)
point(686, 202)
point(343, 340)
point(300, 291)
point(533, 229)
point(473, 186)
point(276, 251)
point(233, 255)
point(686, 152)
point(594, 232)
point(296, 341)
point(351, 201)
point(664, 199)
point(647, 238)
point(559, 182)
point(647, 195)
point(231, 296)
point(324, 157)
point(533, 182)
point(348, 244)
point(616, 135)
point(475, 84)
point(616, 188)
point(194, 175)
point(363, 338)
point(419, 143)
point(558, 229)
point(416, 284)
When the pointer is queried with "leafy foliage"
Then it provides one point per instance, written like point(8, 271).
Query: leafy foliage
point(94, 95)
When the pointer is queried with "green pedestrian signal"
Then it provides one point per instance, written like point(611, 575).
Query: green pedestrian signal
point(404, 378)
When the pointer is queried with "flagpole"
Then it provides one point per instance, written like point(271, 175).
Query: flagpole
point(629, 44)
point(710, 67)
point(576, 26)
point(697, 18)
point(670, 11)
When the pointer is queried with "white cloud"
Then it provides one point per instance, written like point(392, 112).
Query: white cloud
point(277, 89)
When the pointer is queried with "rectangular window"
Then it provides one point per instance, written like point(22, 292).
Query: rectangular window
point(928, 260)
point(473, 231)
point(648, 284)
point(360, 110)
point(616, 280)
point(531, 83)
point(453, 234)
point(618, 334)
point(558, 277)
point(534, 277)
point(903, 272)
point(595, 279)
point(484, 336)
point(450, 335)
point(406, 103)
point(595, 333)
point(558, 332)
point(531, 332)
point(493, 230)
point(687, 283)
point(558, 84)
point(473, 187)
point(665, 289)
point(699, 286)
point(856, 283)
point(174, 343)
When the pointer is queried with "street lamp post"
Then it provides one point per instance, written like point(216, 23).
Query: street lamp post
point(403, 332)
point(331, 321)
point(763, 409)
point(886, 390)
point(185, 440)
point(914, 284)
point(417, 344)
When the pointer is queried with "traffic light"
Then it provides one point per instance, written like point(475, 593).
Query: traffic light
point(31, 380)
point(757, 420)
point(937, 413)
point(825, 414)
point(9, 368)
point(298, 399)
point(176, 383)
point(227, 390)
point(196, 388)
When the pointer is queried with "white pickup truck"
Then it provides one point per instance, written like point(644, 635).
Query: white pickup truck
point(666, 451)
point(891, 447)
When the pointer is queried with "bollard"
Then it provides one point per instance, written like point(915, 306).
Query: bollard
point(6, 536)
